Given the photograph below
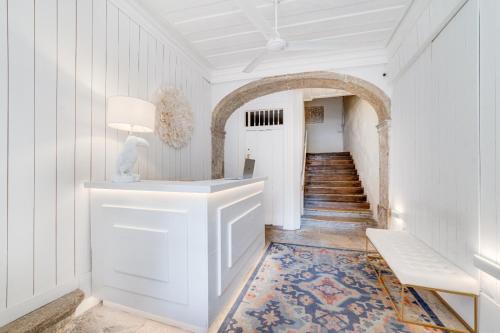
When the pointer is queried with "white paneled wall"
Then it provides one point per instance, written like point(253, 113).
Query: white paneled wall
point(435, 147)
point(489, 238)
point(435, 142)
point(59, 61)
point(278, 154)
point(423, 22)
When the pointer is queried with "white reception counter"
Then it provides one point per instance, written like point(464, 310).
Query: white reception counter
point(175, 251)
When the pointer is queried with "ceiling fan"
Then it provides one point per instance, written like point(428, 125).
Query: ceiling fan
point(275, 43)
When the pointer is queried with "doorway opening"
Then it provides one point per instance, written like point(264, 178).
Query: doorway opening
point(366, 91)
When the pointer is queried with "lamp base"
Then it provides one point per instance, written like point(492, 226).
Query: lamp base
point(130, 178)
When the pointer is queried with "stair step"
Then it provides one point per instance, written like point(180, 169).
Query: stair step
point(332, 172)
point(342, 153)
point(336, 197)
point(314, 162)
point(328, 158)
point(341, 177)
point(334, 183)
point(313, 168)
point(333, 190)
point(324, 205)
point(339, 213)
point(366, 220)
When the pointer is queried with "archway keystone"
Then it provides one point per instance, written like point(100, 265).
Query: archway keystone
point(363, 89)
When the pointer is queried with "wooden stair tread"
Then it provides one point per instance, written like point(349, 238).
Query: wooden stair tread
point(339, 219)
point(325, 205)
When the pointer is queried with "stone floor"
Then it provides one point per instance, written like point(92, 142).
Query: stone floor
point(102, 319)
point(344, 235)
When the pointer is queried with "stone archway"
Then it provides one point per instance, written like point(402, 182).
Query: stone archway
point(363, 89)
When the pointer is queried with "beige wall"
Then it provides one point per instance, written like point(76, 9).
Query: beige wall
point(361, 139)
point(326, 137)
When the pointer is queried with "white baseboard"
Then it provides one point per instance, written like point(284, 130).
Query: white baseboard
point(160, 319)
point(87, 304)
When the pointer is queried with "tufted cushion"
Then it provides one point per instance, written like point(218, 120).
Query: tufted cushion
point(415, 263)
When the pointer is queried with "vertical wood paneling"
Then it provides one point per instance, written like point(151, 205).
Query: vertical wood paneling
point(45, 145)
point(151, 86)
point(167, 81)
point(489, 129)
point(4, 109)
point(123, 65)
point(59, 60)
point(497, 139)
point(21, 139)
point(434, 162)
point(142, 165)
point(134, 60)
point(99, 90)
point(83, 152)
point(66, 141)
point(158, 146)
point(112, 73)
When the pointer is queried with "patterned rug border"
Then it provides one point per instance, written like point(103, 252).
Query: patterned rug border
point(247, 285)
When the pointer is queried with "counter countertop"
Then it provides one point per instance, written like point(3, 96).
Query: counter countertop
point(201, 186)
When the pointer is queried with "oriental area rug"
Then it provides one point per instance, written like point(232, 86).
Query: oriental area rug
point(299, 288)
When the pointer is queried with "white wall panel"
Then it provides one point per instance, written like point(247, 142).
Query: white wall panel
point(66, 122)
point(21, 161)
point(99, 9)
point(112, 73)
point(83, 134)
point(4, 125)
point(489, 245)
point(59, 61)
point(45, 144)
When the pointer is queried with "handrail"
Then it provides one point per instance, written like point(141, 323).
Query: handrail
point(304, 160)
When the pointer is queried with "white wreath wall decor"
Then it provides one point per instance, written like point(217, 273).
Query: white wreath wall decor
point(174, 117)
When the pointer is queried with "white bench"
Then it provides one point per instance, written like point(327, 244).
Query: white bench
point(418, 266)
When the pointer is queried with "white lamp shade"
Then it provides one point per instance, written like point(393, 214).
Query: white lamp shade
point(131, 114)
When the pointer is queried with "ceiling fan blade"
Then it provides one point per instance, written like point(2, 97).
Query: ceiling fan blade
point(309, 45)
point(252, 13)
point(251, 66)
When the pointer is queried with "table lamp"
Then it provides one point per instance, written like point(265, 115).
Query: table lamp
point(134, 116)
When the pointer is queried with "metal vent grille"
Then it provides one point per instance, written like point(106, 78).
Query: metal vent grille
point(265, 117)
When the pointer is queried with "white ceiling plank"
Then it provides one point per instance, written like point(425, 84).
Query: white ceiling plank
point(221, 32)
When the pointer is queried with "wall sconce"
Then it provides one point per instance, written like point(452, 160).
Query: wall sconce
point(396, 214)
point(397, 220)
point(487, 266)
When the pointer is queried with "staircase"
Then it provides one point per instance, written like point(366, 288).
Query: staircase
point(333, 191)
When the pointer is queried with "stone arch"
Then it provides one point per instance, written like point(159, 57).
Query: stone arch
point(363, 89)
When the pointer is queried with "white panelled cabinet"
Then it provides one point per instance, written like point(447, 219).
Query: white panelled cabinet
point(175, 251)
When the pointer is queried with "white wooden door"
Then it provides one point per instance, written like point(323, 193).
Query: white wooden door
point(267, 148)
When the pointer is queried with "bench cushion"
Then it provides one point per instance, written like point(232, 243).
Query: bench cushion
point(415, 263)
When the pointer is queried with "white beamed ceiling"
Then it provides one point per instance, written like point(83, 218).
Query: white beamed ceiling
point(218, 31)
